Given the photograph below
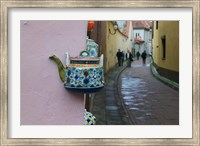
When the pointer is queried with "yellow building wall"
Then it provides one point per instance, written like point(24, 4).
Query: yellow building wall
point(171, 30)
point(115, 42)
point(155, 40)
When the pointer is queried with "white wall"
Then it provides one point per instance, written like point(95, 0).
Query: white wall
point(145, 35)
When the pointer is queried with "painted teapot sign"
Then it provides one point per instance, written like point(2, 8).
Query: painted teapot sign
point(83, 73)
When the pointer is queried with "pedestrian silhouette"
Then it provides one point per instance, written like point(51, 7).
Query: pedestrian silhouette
point(119, 57)
point(122, 58)
point(144, 55)
point(129, 57)
point(138, 55)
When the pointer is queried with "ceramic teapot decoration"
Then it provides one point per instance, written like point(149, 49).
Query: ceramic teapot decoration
point(92, 47)
point(81, 74)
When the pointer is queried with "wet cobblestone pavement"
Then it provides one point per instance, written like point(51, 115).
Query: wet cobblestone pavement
point(107, 107)
point(136, 98)
point(147, 100)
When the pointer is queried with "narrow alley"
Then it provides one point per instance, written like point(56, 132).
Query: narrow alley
point(133, 96)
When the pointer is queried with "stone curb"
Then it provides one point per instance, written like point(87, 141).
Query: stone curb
point(122, 110)
point(166, 81)
point(92, 95)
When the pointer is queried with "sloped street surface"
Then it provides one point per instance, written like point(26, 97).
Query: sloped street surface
point(132, 96)
point(147, 100)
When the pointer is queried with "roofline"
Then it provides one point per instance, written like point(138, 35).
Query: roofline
point(142, 28)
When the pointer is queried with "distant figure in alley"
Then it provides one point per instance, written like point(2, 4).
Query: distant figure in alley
point(123, 57)
point(129, 58)
point(138, 55)
point(144, 56)
point(119, 57)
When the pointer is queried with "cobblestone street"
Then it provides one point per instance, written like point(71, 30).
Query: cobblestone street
point(133, 96)
point(107, 107)
point(146, 99)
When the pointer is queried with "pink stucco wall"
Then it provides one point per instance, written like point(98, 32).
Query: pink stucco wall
point(44, 100)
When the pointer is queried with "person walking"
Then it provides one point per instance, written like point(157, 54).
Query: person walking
point(122, 58)
point(119, 57)
point(144, 55)
point(129, 57)
point(138, 55)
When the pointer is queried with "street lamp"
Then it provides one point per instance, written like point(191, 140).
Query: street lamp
point(115, 26)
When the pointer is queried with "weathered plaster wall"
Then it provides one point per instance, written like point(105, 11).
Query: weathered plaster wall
point(171, 30)
point(44, 100)
point(99, 36)
point(115, 42)
point(156, 53)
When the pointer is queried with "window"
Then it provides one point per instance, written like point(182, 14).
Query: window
point(137, 34)
point(156, 24)
point(152, 30)
point(163, 39)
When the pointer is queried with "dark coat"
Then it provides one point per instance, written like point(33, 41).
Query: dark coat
point(130, 56)
point(144, 55)
point(119, 55)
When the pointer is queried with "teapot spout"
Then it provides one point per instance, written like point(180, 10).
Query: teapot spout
point(60, 66)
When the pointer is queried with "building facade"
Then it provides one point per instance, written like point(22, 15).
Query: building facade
point(143, 31)
point(166, 48)
point(110, 40)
